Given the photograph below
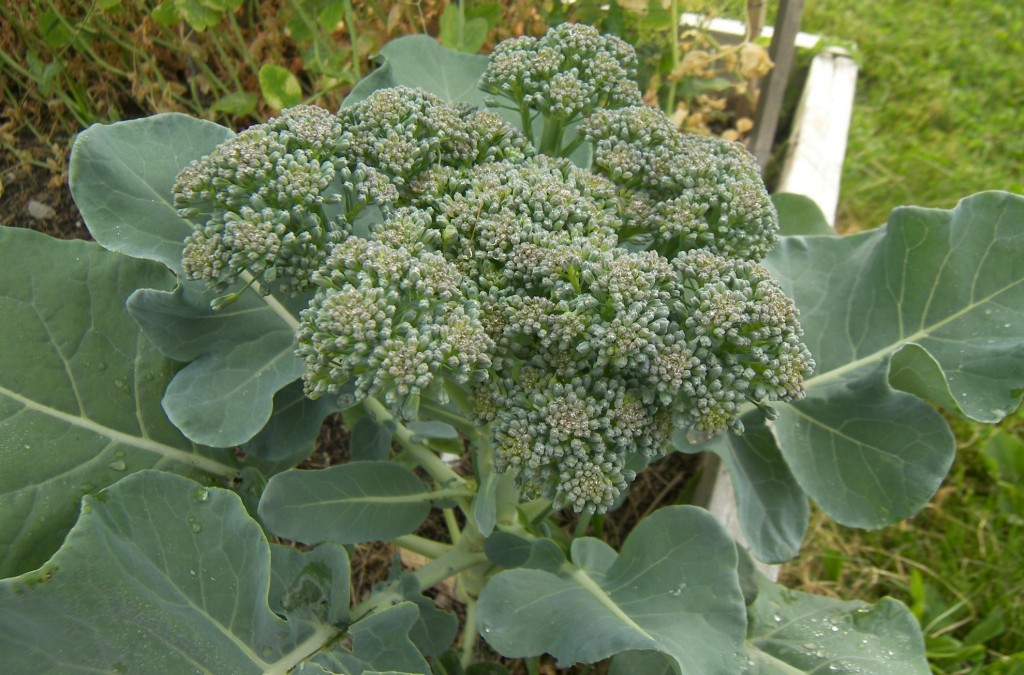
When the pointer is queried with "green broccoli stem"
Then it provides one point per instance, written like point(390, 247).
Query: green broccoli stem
point(465, 555)
point(526, 121)
point(551, 137)
point(423, 454)
point(428, 548)
point(469, 634)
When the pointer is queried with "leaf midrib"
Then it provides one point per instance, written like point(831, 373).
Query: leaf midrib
point(924, 332)
point(141, 442)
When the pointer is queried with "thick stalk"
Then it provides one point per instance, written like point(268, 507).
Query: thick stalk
point(469, 634)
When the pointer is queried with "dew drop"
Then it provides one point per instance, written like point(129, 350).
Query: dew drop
point(192, 572)
point(695, 436)
point(195, 526)
point(101, 366)
point(120, 383)
point(202, 495)
point(118, 465)
point(777, 618)
point(267, 651)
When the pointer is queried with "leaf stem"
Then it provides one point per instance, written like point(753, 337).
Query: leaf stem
point(424, 455)
point(428, 548)
point(452, 524)
point(469, 634)
point(464, 556)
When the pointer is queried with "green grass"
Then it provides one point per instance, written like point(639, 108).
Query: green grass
point(938, 106)
point(937, 117)
point(957, 564)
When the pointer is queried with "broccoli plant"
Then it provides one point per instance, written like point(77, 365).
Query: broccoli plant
point(519, 288)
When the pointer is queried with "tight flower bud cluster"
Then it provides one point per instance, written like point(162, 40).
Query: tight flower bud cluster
point(682, 192)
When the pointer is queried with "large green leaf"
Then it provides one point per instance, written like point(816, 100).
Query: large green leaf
point(159, 575)
point(419, 61)
point(348, 503)
point(932, 303)
point(792, 632)
point(240, 357)
point(121, 177)
point(80, 389)
point(291, 433)
point(673, 589)
point(869, 455)
point(381, 644)
point(771, 506)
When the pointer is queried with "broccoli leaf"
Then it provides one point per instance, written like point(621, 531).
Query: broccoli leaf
point(800, 215)
point(146, 583)
point(420, 61)
point(291, 433)
point(771, 507)
point(348, 503)
point(80, 389)
point(673, 589)
point(121, 176)
point(794, 632)
point(933, 304)
point(240, 357)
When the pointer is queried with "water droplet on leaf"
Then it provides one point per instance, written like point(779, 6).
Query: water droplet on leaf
point(118, 465)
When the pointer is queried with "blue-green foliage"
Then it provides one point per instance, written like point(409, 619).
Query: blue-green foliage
point(513, 273)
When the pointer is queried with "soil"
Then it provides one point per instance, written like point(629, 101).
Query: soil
point(38, 198)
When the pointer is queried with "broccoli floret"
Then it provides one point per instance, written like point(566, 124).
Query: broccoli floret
point(602, 349)
point(403, 131)
point(495, 217)
point(565, 75)
point(388, 320)
point(682, 192)
point(271, 201)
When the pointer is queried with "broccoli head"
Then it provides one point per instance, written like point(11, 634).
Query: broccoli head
point(584, 312)
point(603, 350)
